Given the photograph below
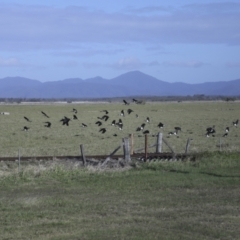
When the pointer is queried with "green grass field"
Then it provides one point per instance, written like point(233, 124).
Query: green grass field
point(59, 140)
point(164, 200)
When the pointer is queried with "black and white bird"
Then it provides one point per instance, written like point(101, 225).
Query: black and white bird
point(147, 119)
point(120, 124)
point(225, 134)
point(25, 128)
point(227, 129)
point(235, 124)
point(160, 125)
point(44, 114)
point(210, 131)
point(125, 102)
point(122, 113)
point(113, 123)
point(47, 124)
point(74, 110)
point(177, 129)
point(75, 117)
point(84, 125)
point(141, 128)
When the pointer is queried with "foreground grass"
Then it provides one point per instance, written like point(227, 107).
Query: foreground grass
point(164, 200)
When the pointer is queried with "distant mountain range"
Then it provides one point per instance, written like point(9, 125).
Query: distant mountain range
point(133, 83)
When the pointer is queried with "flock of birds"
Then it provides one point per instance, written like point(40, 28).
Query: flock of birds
point(103, 119)
point(210, 131)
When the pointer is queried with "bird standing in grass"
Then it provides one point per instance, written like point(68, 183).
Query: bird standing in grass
point(48, 124)
point(25, 128)
point(235, 124)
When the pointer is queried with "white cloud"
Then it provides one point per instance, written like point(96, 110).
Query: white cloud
point(10, 62)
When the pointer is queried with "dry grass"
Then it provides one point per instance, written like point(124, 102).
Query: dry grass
point(177, 200)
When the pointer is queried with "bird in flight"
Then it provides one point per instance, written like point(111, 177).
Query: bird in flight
point(65, 121)
point(44, 114)
point(27, 119)
point(102, 130)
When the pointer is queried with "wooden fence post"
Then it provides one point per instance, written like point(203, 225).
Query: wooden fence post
point(19, 158)
point(220, 144)
point(131, 144)
point(126, 149)
point(146, 147)
point(83, 155)
point(187, 145)
point(159, 143)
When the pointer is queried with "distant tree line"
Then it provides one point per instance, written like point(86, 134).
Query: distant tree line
point(141, 99)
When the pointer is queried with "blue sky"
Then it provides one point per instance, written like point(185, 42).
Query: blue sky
point(174, 41)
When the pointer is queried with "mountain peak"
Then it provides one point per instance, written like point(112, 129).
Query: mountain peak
point(134, 83)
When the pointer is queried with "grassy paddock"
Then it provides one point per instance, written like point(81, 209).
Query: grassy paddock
point(192, 117)
point(164, 200)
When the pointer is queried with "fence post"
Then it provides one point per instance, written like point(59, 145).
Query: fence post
point(146, 147)
point(159, 143)
point(131, 144)
point(19, 158)
point(126, 149)
point(187, 145)
point(83, 155)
